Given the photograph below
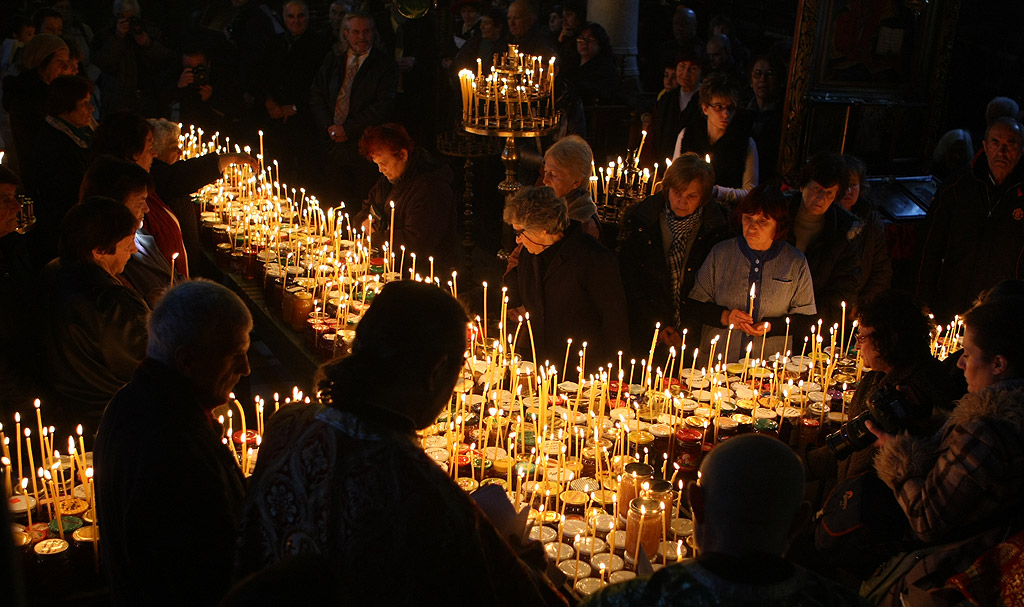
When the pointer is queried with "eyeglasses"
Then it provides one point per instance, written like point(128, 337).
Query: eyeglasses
point(522, 232)
point(762, 73)
point(719, 107)
point(861, 336)
point(583, 40)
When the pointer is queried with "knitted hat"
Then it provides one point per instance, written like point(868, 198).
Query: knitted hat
point(39, 48)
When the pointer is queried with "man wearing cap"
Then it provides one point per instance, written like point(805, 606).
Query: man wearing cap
point(45, 58)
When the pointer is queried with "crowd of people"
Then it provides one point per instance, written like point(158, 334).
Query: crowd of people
point(129, 339)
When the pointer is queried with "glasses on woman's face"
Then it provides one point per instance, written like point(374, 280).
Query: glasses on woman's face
point(583, 40)
point(521, 232)
point(762, 73)
point(862, 336)
point(722, 108)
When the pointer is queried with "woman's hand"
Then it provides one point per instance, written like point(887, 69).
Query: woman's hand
point(226, 160)
point(756, 330)
point(736, 317)
point(883, 436)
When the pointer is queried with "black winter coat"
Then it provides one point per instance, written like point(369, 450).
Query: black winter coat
point(645, 272)
point(571, 290)
point(834, 260)
point(974, 239)
point(159, 459)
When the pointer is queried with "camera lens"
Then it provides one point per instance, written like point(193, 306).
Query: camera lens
point(851, 437)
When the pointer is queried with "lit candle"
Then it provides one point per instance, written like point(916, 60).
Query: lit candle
point(753, 287)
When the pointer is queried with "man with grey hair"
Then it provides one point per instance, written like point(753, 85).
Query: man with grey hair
point(747, 504)
point(168, 490)
point(566, 280)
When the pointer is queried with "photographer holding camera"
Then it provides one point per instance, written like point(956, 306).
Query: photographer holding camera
point(206, 97)
point(906, 389)
point(131, 60)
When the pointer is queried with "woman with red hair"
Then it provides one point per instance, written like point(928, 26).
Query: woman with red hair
point(420, 187)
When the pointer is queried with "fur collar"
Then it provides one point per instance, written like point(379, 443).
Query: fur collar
point(1004, 404)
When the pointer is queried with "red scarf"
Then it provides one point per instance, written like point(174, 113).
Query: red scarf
point(164, 226)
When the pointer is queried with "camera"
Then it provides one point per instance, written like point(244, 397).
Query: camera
point(200, 75)
point(888, 408)
point(136, 27)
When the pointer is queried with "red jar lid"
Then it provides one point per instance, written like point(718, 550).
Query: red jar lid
point(689, 435)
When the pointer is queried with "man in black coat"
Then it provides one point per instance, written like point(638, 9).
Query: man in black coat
point(295, 57)
point(344, 104)
point(565, 280)
point(168, 491)
point(665, 240)
point(975, 233)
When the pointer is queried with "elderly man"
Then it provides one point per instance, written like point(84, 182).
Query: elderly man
point(746, 506)
point(350, 93)
point(532, 37)
point(159, 455)
point(975, 233)
point(666, 239)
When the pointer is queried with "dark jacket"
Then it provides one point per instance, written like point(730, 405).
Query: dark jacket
point(728, 154)
point(933, 392)
point(645, 272)
point(175, 184)
point(974, 238)
point(571, 290)
point(668, 121)
point(130, 72)
point(425, 219)
point(53, 169)
point(293, 65)
point(23, 99)
point(95, 337)
point(155, 434)
point(596, 82)
point(875, 263)
point(373, 93)
point(834, 259)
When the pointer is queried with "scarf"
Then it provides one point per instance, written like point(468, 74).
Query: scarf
point(681, 228)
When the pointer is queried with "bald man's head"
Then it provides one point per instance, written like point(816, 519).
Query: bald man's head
point(521, 17)
point(749, 498)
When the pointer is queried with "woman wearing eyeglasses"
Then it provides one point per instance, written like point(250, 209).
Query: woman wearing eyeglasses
point(595, 79)
point(766, 80)
point(725, 137)
point(761, 258)
point(567, 281)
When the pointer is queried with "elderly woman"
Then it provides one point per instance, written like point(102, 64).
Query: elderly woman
point(760, 259)
point(724, 137)
point(568, 165)
point(826, 234)
point(665, 240)
point(967, 480)
point(875, 264)
point(420, 187)
point(595, 80)
point(565, 279)
point(58, 158)
point(96, 324)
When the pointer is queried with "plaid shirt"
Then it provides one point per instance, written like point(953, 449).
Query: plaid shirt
point(969, 476)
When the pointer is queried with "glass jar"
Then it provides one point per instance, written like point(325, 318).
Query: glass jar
point(643, 527)
point(633, 477)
